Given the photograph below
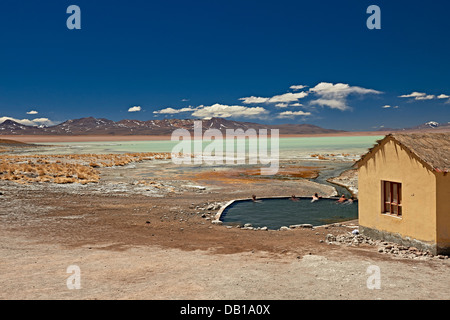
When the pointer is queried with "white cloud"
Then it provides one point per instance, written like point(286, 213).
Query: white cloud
point(443, 96)
point(252, 99)
point(226, 111)
point(413, 95)
point(291, 114)
point(134, 109)
point(297, 87)
point(282, 105)
point(426, 97)
point(335, 95)
point(282, 98)
point(388, 106)
point(331, 103)
point(174, 111)
point(28, 122)
point(287, 97)
point(297, 104)
point(43, 121)
point(32, 112)
point(330, 90)
point(421, 96)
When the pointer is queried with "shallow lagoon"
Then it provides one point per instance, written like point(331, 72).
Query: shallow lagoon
point(289, 148)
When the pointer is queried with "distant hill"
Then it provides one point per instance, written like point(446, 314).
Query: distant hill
point(9, 142)
point(427, 126)
point(431, 125)
point(101, 126)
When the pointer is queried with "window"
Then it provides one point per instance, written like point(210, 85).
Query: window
point(392, 197)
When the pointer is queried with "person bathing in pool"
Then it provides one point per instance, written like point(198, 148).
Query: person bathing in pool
point(315, 197)
point(342, 199)
point(254, 199)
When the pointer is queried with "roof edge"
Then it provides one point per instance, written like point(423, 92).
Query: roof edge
point(381, 143)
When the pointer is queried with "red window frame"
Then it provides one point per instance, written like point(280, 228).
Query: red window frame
point(392, 198)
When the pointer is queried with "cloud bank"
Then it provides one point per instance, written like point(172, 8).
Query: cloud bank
point(324, 94)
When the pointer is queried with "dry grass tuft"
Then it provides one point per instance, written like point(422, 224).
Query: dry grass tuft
point(62, 169)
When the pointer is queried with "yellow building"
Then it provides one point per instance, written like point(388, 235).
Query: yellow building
point(404, 191)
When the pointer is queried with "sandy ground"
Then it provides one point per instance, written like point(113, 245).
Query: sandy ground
point(133, 241)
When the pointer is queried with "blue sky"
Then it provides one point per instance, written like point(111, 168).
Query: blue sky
point(262, 61)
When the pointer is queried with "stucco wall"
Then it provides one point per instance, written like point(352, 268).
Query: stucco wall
point(443, 211)
point(393, 163)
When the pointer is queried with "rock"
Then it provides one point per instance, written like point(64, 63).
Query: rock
point(284, 228)
point(264, 229)
point(247, 225)
point(217, 222)
point(304, 225)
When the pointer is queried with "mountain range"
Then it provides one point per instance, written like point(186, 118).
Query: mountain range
point(101, 126)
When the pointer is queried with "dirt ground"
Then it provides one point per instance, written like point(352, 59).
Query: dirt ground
point(132, 242)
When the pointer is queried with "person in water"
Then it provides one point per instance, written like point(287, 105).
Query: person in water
point(342, 199)
point(315, 197)
point(294, 198)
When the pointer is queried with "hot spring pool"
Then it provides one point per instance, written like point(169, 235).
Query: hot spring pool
point(275, 213)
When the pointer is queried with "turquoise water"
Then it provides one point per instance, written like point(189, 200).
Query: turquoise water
point(275, 213)
point(289, 148)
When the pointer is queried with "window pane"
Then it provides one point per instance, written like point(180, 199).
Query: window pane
point(387, 197)
point(394, 193)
